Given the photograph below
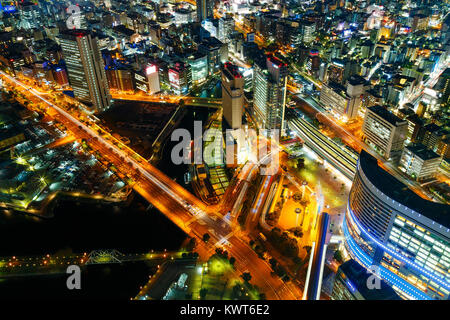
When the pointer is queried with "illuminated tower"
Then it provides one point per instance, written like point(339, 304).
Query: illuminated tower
point(232, 95)
point(205, 9)
point(269, 97)
point(85, 68)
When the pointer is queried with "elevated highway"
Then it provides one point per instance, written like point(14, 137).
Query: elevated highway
point(171, 199)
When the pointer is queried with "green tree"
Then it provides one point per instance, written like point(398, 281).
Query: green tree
point(338, 256)
point(246, 276)
point(273, 262)
point(300, 163)
point(192, 244)
point(297, 231)
point(203, 293)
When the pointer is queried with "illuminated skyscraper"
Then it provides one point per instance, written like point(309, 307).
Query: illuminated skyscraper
point(205, 9)
point(406, 238)
point(385, 132)
point(85, 68)
point(232, 95)
point(226, 28)
point(29, 15)
point(199, 64)
point(269, 97)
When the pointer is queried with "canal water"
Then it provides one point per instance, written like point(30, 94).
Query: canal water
point(82, 227)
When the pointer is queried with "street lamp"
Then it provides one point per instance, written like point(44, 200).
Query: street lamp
point(42, 179)
point(297, 211)
point(304, 184)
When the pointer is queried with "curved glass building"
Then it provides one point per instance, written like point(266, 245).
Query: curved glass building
point(404, 236)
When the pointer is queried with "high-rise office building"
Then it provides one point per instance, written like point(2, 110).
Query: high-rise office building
point(199, 64)
point(180, 77)
point(444, 85)
point(269, 93)
point(340, 70)
point(205, 9)
point(183, 15)
point(385, 132)
point(415, 125)
point(226, 28)
point(85, 68)
point(29, 15)
point(404, 237)
point(343, 101)
point(313, 63)
point(215, 51)
point(351, 283)
point(210, 28)
point(152, 74)
point(430, 135)
point(419, 162)
point(307, 30)
point(232, 95)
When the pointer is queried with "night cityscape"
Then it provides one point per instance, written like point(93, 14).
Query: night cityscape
point(240, 150)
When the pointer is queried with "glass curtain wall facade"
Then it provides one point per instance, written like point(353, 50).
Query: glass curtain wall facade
point(405, 236)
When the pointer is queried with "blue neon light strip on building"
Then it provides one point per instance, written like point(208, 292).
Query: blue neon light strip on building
point(8, 9)
point(384, 273)
point(445, 284)
point(350, 285)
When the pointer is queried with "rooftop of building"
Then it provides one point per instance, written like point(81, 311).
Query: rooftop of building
point(434, 128)
point(6, 35)
point(338, 88)
point(420, 15)
point(183, 10)
point(399, 192)
point(357, 276)
point(339, 62)
point(422, 152)
point(374, 92)
point(75, 32)
point(26, 3)
point(10, 132)
point(355, 80)
point(231, 71)
point(415, 118)
point(179, 66)
point(405, 112)
point(402, 80)
point(306, 22)
point(194, 55)
point(276, 61)
point(385, 114)
point(211, 43)
point(123, 30)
